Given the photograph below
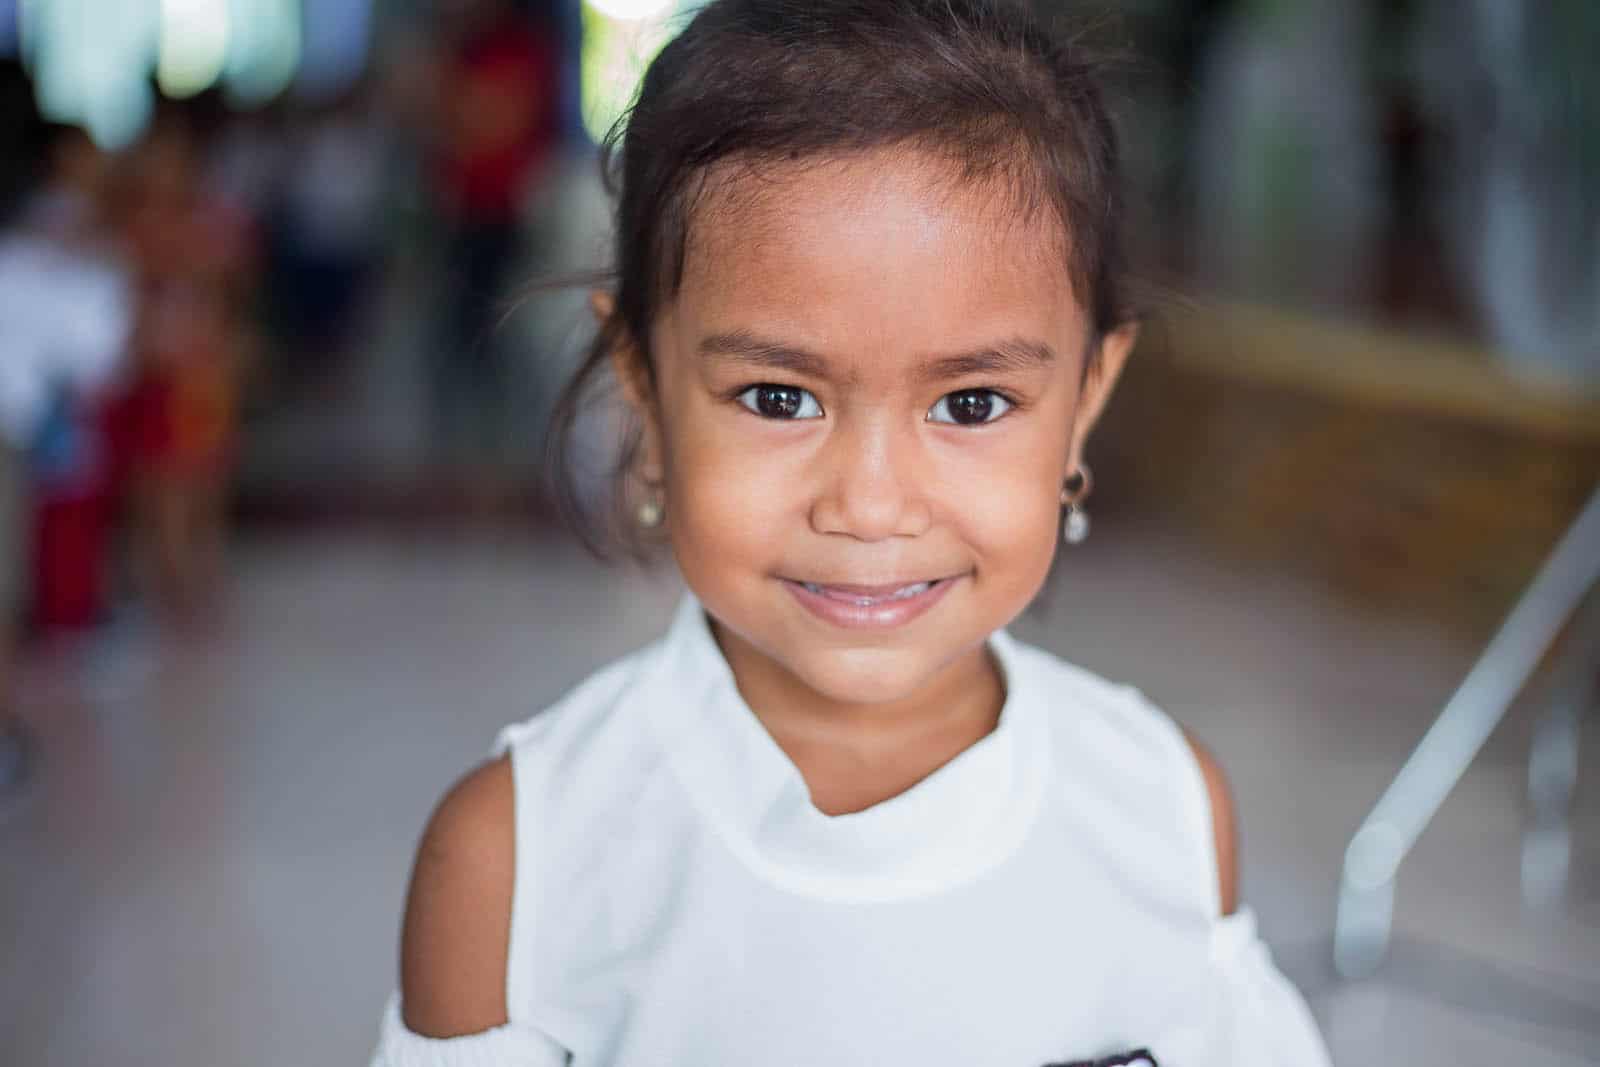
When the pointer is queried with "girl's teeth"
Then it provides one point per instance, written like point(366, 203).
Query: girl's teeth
point(903, 593)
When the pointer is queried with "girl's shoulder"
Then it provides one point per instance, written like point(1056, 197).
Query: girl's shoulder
point(455, 950)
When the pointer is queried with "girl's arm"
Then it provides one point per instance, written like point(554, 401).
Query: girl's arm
point(1224, 826)
point(1262, 1020)
point(458, 913)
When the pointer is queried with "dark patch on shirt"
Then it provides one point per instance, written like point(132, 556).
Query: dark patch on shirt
point(1137, 1058)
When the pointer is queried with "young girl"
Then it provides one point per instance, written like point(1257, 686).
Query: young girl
point(867, 311)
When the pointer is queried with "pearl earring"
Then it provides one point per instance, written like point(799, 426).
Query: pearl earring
point(1076, 489)
point(651, 510)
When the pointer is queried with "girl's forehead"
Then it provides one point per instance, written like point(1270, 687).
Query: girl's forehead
point(878, 249)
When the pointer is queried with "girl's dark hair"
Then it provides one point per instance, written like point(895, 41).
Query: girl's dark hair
point(978, 84)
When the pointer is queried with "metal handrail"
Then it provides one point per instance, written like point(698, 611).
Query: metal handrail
point(1373, 858)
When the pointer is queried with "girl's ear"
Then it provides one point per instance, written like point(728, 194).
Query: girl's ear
point(603, 304)
point(626, 360)
point(1115, 348)
point(628, 364)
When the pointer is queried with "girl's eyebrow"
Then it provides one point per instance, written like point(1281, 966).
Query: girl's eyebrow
point(1016, 355)
point(744, 347)
point(1011, 356)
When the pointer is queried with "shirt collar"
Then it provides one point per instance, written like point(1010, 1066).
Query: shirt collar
point(958, 822)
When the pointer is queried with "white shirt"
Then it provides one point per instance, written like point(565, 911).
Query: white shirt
point(1050, 895)
point(65, 317)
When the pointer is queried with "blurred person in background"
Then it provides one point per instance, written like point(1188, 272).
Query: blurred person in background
point(73, 456)
point(65, 317)
point(326, 234)
point(497, 122)
point(196, 263)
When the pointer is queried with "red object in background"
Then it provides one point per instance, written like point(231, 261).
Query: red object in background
point(71, 535)
point(502, 119)
point(73, 524)
point(177, 426)
point(138, 425)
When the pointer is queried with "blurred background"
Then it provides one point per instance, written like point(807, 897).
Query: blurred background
point(275, 373)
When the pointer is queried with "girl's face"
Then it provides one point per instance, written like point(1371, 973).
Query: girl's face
point(868, 392)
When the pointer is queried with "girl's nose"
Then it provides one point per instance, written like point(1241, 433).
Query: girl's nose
point(872, 489)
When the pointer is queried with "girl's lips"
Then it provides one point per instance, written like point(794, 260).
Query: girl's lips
point(869, 607)
point(864, 595)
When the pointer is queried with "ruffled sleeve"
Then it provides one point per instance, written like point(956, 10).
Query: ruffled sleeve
point(1263, 1020)
point(512, 1045)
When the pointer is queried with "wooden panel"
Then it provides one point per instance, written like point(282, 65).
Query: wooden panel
point(1435, 489)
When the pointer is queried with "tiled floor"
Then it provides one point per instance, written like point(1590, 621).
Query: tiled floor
point(210, 871)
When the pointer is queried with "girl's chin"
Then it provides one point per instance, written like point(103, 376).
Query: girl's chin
point(864, 676)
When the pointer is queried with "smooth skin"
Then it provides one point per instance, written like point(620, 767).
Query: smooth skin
point(939, 380)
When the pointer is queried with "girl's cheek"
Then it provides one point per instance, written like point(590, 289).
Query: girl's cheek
point(1015, 499)
point(727, 491)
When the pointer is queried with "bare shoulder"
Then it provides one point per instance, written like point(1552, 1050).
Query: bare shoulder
point(1224, 825)
point(458, 912)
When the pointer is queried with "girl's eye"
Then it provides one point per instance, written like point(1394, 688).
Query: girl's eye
point(781, 402)
point(970, 407)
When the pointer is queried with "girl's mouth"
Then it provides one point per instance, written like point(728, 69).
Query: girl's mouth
point(869, 606)
point(867, 596)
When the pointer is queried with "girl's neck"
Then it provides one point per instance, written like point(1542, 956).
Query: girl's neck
point(855, 755)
